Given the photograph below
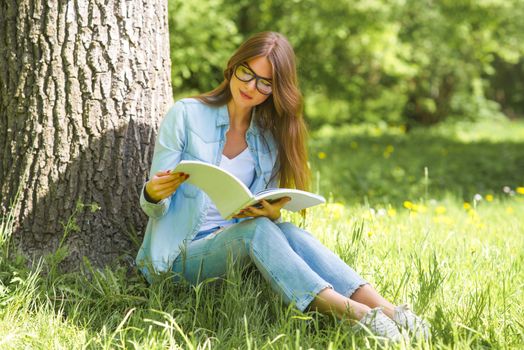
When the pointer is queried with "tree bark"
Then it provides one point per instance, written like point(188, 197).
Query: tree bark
point(83, 87)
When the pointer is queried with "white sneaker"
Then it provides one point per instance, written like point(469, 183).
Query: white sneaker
point(406, 319)
point(378, 324)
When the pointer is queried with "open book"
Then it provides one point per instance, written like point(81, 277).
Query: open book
point(230, 195)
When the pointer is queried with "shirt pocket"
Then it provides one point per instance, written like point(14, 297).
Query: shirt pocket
point(201, 147)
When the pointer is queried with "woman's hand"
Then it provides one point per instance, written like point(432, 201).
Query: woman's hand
point(164, 184)
point(269, 210)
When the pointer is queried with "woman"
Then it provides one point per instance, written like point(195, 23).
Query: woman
point(252, 126)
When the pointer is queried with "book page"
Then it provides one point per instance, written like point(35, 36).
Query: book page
point(225, 190)
point(299, 199)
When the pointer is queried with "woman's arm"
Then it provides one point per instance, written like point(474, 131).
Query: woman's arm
point(156, 194)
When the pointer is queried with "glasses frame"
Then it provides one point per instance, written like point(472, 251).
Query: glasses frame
point(254, 76)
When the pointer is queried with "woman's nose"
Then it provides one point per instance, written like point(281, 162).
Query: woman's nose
point(251, 85)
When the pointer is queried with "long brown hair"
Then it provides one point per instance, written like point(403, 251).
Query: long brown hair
point(281, 112)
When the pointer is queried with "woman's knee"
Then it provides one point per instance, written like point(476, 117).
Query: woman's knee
point(287, 227)
point(251, 227)
point(291, 231)
point(265, 229)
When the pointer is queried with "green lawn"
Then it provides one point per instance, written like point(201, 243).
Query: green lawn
point(418, 239)
point(376, 165)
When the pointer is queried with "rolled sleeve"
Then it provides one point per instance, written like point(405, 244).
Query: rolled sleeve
point(170, 141)
point(169, 145)
point(154, 210)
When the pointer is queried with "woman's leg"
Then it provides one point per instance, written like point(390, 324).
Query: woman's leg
point(265, 243)
point(329, 301)
point(261, 241)
point(369, 296)
point(350, 288)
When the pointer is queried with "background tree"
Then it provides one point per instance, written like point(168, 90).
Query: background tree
point(400, 62)
point(83, 86)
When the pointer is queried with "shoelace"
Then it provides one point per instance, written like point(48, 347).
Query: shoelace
point(377, 323)
point(405, 318)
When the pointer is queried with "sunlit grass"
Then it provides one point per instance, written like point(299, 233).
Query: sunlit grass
point(458, 260)
point(381, 165)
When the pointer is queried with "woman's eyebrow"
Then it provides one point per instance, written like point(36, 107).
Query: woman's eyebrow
point(251, 69)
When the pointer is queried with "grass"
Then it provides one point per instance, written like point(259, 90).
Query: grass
point(378, 165)
point(460, 266)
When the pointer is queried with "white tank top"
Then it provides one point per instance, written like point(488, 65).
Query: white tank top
point(243, 167)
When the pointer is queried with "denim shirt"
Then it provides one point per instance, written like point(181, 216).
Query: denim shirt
point(192, 130)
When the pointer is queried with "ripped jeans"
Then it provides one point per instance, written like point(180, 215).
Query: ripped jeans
point(294, 262)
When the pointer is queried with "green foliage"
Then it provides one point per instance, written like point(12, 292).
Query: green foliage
point(395, 61)
point(202, 37)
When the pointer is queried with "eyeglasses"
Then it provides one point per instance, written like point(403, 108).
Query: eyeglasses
point(246, 74)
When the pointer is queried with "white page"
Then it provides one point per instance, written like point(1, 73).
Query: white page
point(226, 192)
point(231, 195)
point(299, 199)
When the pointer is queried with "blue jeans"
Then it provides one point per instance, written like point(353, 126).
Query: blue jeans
point(294, 262)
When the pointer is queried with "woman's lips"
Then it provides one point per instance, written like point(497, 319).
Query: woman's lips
point(247, 97)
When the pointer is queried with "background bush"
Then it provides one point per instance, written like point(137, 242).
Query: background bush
point(402, 62)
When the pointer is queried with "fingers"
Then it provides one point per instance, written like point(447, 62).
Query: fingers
point(164, 177)
point(164, 184)
point(251, 212)
point(281, 202)
point(244, 213)
point(256, 211)
point(278, 204)
point(173, 183)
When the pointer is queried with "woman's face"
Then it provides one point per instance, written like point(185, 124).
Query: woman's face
point(245, 94)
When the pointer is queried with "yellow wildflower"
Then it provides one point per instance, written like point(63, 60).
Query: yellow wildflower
point(510, 210)
point(336, 209)
point(408, 205)
point(392, 212)
point(489, 197)
point(322, 155)
point(520, 190)
point(467, 206)
point(387, 152)
point(440, 210)
point(370, 234)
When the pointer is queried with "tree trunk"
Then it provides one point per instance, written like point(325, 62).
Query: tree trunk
point(83, 87)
